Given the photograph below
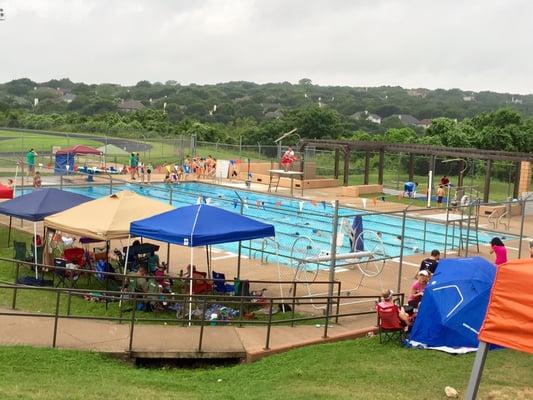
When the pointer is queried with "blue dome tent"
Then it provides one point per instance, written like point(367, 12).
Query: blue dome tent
point(454, 305)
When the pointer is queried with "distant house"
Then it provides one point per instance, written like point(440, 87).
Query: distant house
point(274, 114)
point(516, 100)
point(68, 97)
point(130, 105)
point(417, 92)
point(469, 98)
point(406, 119)
point(376, 119)
point(424, 123)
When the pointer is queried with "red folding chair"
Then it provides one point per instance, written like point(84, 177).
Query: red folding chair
point(390, 325)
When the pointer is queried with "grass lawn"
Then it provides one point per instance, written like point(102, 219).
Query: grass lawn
point(20, 142)
point(359, 369)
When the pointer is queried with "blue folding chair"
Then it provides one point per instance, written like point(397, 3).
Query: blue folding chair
point(220, 285)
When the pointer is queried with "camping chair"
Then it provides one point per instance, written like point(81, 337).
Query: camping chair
point(220, 285)
point(201, 286)
point(389, 324)
point(21, 252)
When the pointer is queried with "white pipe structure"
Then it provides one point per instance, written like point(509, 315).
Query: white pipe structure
point(343, 256)
point(430, 187)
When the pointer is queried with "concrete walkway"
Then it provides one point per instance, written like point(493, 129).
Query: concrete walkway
point(159, 341)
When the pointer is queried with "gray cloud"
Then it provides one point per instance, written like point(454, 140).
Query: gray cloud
point(476, 45)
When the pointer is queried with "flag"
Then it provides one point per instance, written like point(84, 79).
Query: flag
point(333, 203)
point(208, 200)
point(235, 203)
point(301, 205)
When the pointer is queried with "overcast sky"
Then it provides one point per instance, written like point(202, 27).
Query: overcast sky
point(468, 44)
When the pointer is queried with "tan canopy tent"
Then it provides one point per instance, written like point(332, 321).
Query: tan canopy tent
point(106, 218)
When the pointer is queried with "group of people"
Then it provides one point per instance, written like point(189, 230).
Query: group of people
point(409, 190)
point(198, 166)
point(137, 169)
point(428, 267)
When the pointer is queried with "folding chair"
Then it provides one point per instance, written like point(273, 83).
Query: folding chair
point(21, 251)
point(220, 285)
point(60, 273)
point(390, 326)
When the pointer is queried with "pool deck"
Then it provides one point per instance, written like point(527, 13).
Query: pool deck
point(247, 342)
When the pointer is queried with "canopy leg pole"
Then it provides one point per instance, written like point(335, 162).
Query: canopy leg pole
point(124, 271)
point(207, 259)
point(191, 277)
point(477, 371)
point(168, 258)
point(9, 231)
point(239, 261)
point(35, 249)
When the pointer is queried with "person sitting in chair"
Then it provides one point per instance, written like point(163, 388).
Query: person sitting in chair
point(387, 303)
point(141, 283)
point(417, 288)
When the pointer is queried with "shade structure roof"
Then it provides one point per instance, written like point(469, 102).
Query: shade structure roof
point(106, 218)
point(200, 225)
point(79, 149)
point(112, 150)
point(38, 204)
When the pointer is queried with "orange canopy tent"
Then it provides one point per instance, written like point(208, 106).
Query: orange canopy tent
point(509, 318)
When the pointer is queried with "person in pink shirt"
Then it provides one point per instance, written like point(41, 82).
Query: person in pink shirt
point(498, 248)
point(417, 288)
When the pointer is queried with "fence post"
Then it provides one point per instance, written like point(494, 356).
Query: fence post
point(267, 343)
point(56, 318)
point(294, 283)
point(328, 313)
point(132, 324)
point(200, 340)
point(523, 217)
point(14, 301)
point(401, 251)
point(61, 181)
point(110, 184)
point(338, 302)
point(333, 253)
point(241, 311)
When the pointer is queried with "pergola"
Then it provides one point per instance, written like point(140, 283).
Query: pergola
point(369, 148)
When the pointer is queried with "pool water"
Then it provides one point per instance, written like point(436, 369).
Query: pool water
point(303, 228)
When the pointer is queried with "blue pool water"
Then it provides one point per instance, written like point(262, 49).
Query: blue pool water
point(311, 228)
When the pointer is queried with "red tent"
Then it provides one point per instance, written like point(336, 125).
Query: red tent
point(79, 149)
point(6, 192)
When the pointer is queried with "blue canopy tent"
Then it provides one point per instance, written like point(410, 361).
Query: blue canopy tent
point(454, 305)
point(37, 205)
point(200, 225)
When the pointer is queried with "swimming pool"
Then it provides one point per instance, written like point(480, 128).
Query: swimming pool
point(307, 223)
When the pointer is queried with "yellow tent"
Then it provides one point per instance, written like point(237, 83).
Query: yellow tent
point(106, 218)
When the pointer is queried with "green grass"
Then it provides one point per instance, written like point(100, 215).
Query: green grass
point(359, 369)
point(20, 142)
